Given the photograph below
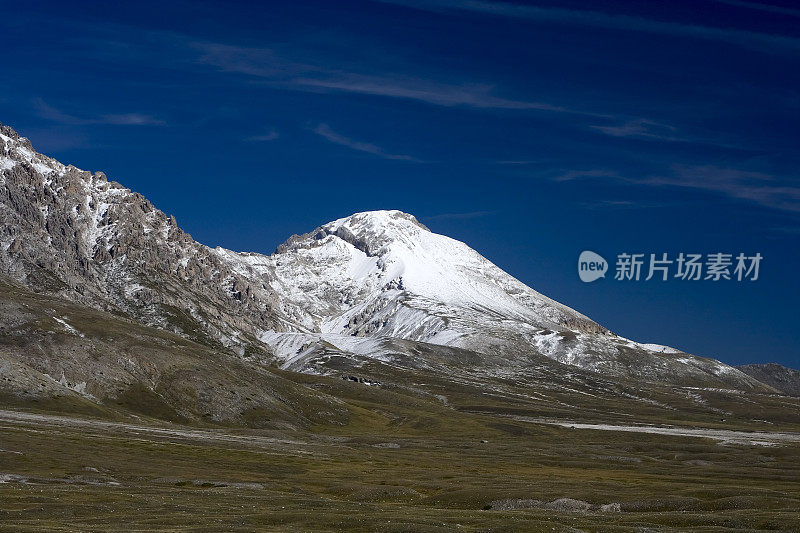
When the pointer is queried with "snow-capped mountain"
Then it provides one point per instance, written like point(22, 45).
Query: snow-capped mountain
point(382, 274)
point(350, 285)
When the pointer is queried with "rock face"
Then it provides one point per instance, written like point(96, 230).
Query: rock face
point(375, 275)
point(786, 380)
point(74, 233)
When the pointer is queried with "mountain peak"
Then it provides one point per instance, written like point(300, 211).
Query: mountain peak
point(373, 231)
point(368, 231)
point(382, 219)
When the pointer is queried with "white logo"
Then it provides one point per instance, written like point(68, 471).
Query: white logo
point(591, 266)
point(662, 267)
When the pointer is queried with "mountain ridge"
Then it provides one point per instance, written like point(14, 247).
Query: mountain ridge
point(782, 378)
point(370, 275)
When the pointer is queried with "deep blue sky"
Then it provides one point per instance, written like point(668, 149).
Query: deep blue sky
point(529, 131)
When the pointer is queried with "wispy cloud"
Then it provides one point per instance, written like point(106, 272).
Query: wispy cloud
point(459, 216)
point(780, 10)
point(570, 175)
point(787, 230)
point(258, 62)
point(300, 68)
point(449, 95)
point(271, 135)
point(745, 38)
point(643, 128)
point(128, 119)
point(49, 112)
point(771, 191)
point(325, 131)
point(758, 187)
point(284, 71)
point(518, 162)
point(618, 205)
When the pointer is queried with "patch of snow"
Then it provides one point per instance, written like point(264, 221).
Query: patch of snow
point(658, 348)
point(12, 478)
point(724, 436)
point(548, 343)
point(132, 288)
point(67, 326)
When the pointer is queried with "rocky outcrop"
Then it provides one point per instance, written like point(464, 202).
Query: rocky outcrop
point(74, 233)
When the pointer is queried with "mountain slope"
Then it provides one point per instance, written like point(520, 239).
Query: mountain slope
point(71, 232)
point(373, 275)
point(64, 356)
point(786, 380)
